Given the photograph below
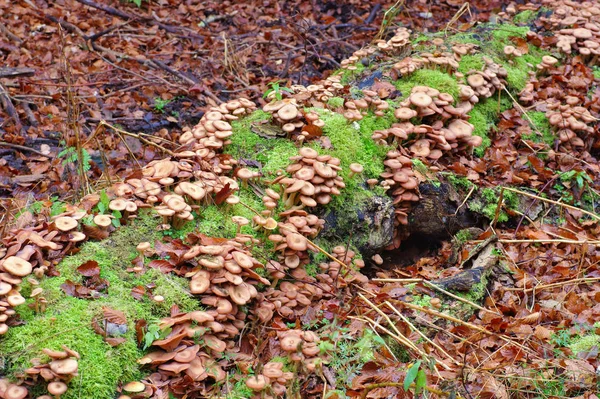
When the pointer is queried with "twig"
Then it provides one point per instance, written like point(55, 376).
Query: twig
point(22, 148)
point(465, 200)
point(514, 190)
point(137, 136)
point(10, 108)
point(554, 285)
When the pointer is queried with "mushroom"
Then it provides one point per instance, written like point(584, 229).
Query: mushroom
point(57, 388)
point(14, 391)
point(65, 223)
point(17, 266)
point(257, 382)
point(355, 168)
point(134, 386)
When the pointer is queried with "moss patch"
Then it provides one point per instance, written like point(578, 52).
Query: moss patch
point(428, 77)
point(68, 319)
point(542, 125)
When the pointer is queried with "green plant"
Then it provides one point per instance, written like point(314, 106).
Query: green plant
point(70, 155)
point(154, 332)
point(277, 90)
point(160, 104)
point(417, 376)
point(57, 206)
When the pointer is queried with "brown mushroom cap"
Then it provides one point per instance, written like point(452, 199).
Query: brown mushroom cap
point(287, 112)
point(57, 388)
point(291, 342)
point(103, 220)
point(17, 266)
point(476, 80)
point(14, 391)
point(356, 168)
point(134, 386)
point(420, 99)
point(65, 223)
point(461, 128)
point(296, 242)
point(421, 148)
point(257, 382)
point(64, 366)
point(118, 204)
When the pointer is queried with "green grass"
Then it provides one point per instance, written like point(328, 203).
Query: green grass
point(68, 320)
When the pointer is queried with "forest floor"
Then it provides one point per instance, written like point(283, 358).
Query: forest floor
point(299, 199)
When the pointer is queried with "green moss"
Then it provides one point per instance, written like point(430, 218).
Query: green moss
point(484, 116)
point(348, 75)
point(422, 300)
point(335, 102)
point(428, 77)
point(460, 182)
point(240, 391)
point(487, 203)
point(596, 72)
point(272, 154)
point(463, 236)
point(68, 320)
point(524, 17)
point(542, 125)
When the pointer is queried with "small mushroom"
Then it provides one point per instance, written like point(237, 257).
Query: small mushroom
point(257, 382)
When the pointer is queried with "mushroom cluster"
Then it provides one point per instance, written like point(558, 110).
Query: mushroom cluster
point(224, 277)
point(443, 126)
point(302, 348)
point(486, 82)
point(547, 62)
point(356, 109)
point(178, 355)
point(569, 119)
point(316, 94)
point(288, 115)
point(290, 300)
point(405, 67)
point(272, 376)
point(444, 61)
point(586, 41)
point(62, 368)
point(397, 44)
point(314, 179)
point(336, 275)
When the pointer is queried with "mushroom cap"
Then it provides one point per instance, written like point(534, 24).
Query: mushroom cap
point(476, 80)
point(420, 99)
point(582, 33)
point(549, 60)
point(308, 152)
point(57, 388)
point(421, 148)
point(257, 382)
point(17, 266)
point(240, 294)
point(14, 391)
point(118, 204)
point(356, 167)
point(287, 112)
point(245, 174)
point(65, 223)
point(240, 220)
point(461, 128)
point(143, 246)
point(290, 342)
point(134, 386)
point(194, 191)
point(296, 242)
point(103, 220)
point(200, 282)
point(64, 366)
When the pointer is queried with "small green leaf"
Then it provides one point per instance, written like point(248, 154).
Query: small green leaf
point(411, 375)
point(421, 382)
